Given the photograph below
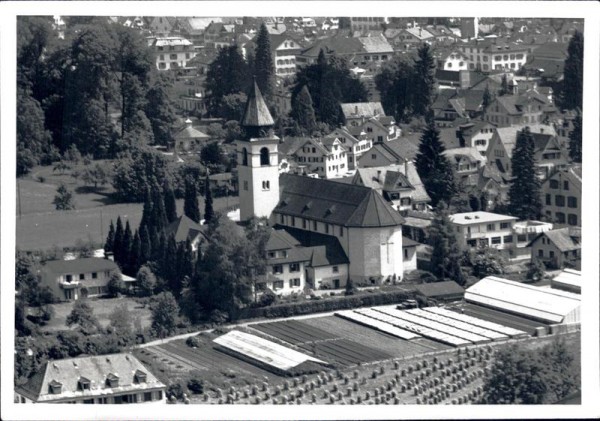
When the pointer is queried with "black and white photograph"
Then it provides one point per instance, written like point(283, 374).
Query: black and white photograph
point(252, 205)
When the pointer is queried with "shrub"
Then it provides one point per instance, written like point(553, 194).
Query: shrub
point(267, 298)
point(176, 390)
point(195, 386)
point(193, 342)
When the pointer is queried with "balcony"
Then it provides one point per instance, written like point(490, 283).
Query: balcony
point(69, 285)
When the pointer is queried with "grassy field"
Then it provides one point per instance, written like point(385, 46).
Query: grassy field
point(40, 226)
point(102, 307)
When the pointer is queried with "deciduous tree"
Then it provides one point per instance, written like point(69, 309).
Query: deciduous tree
point(64, 199)
point(82, 315)
point(165, 314)
point(303, 112)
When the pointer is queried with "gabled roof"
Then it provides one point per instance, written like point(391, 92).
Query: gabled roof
point(508, 135)
point(565, 239)
point(390, 176)
point(322, 249)
point(420, 33)
point(396, 150)
point(183, 228)
point(281, 240)
point(85, 265)
point(189, 132)
point(257, 113)
point(362, 109)
point(343, 132)
point(376, 44)
point(472, 154)
point(67, 373)
point(336, 203)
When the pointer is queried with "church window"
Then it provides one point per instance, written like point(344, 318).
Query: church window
point(266, 185)
point(244, 157)
point(245, 185)
point(264, 157)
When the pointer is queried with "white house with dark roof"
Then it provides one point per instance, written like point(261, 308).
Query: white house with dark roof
point(103, 379)
point(398, 184)
point(78, 278)
point(561, 196)
point(359, 111)
point(190, 139)
point(355, 145)
point(558, 248)
point(325, 157)
point(389, 153)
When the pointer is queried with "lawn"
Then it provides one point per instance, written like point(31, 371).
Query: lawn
point(102, 308)
point(40, 226)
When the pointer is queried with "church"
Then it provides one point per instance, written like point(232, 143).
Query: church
point(360, 233)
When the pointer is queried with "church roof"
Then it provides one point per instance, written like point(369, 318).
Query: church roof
point(322, 249)
point(336, 203)
point(257, 113)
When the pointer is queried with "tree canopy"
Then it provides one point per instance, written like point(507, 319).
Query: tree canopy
point(524, 192)
point(573, 74)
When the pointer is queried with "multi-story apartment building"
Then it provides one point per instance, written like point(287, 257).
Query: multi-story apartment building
point(325, 157)
point(358, 51)
point(561, 196)
point(106, 379)
point(355, 146)
point(484, 229)
point(491, 55)
point(362, 23)
point(172, 53)
point(530, 107)
point(283, 51)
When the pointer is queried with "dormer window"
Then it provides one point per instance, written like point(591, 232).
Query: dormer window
point(55, 388)
point(112, 380)
point(83, 384)
point(139, 376)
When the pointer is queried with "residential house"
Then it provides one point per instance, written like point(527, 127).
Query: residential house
point(355, 146)
point(387, 153)
point(548, 62)
point(476, 134)
point(529, 107)
point(103, 379)
point(483, 229)
point(561, 196)
point(192, 28)
point(451, 105)
point(78, 278)
point(549, 154)
point(441, 35)
point(567, 31)
point(283, 50)
point(524, 233)
point(493, 55)
point(298, 259)
point(216, 32)
point(161, 26)
point(189, 139)
point(355, 113)
point(558, 248)
point(408, 38)
point(358, 51)
point(325, 157)
point(184, 229)
point(451, 60)
point(173, 53)
point(398, 184)
point(465, 161)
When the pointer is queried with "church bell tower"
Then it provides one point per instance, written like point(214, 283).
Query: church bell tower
point(257, 160)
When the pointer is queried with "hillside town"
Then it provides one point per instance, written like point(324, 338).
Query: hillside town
point(298, 210)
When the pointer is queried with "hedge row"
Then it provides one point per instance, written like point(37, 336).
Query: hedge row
point(331, 304)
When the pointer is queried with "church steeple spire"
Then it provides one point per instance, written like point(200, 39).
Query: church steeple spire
point(257, 119)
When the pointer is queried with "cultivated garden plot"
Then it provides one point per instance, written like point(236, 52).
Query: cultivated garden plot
point(345, 352)
point(508, 331)
point(294, 332)
point(392, 345)
point(495, 316)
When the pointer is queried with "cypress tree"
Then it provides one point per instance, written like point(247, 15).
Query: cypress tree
point(424, 84)
point(148, 210)
point(118, 242)
point(126, 247)
point(573, 74)
point(209, 213)
point(263, 63)
point(169, 202)
point(145, 246)
point(169, 267)
point(433, 167)
point(190, 201)
point(503, 86)
point(159, 242)
point(524, 191)
point(110, 238)
point(575, 140)
point(159, 215)
point(135, 254)
point(487, 98)
point(303, 112)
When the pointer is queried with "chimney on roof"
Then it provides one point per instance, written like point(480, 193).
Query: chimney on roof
point(541, 130)
point(379, 175)
point(406, 167)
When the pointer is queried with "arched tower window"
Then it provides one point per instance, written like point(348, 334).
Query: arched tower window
point(264, 157)
point(244, 157)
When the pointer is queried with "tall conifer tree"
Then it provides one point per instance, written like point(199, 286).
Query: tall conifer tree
point(110, 238)
point(524, 191)
point(126, 247)
point(190, 201)
point(424, 84)
point(576, 140)
point(446, 253)
point(433, 167)
point(118, 242)
point(303, 112)
point(573, 74)
point(263, 63)
point(169, 201)
point(209, 213)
